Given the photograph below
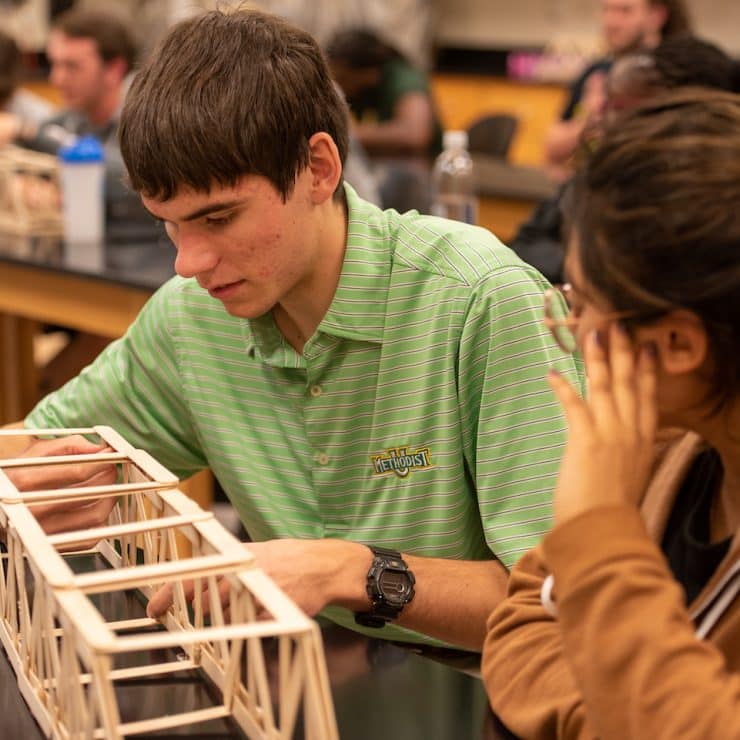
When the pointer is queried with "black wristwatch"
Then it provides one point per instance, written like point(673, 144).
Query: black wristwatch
point(390, 586)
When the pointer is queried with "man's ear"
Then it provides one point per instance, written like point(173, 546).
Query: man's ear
point(680, 340)
point(325, 166)
point(116, 70)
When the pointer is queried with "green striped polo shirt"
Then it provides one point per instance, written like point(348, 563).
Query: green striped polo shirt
point(417, 418)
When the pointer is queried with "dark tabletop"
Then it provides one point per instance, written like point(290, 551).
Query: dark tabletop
point(144, 265)
point(381, 691)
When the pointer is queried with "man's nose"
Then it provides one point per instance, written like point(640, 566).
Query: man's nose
point(194, 256)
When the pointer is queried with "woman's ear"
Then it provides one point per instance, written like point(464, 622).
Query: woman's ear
point(325, 166)
point(680, 340)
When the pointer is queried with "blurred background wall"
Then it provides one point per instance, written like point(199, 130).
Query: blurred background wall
point(416, 26)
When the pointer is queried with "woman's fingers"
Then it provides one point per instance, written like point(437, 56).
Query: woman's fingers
point(622, 364)
point(647, 391)
point(598, 378)
point(574, 407)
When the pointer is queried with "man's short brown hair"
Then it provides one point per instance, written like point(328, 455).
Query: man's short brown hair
point(227, 95)
point(112, 35)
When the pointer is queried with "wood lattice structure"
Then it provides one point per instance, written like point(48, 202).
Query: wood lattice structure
point(65, 653)
point(29, 193)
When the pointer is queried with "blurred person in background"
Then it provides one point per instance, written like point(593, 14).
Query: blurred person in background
point(17, 103)
point(91, 54)
point(627, 25)
point(390, 98)
point(395, 117)
point(634, 78)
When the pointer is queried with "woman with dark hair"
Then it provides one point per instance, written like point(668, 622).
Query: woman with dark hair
point(625, 621)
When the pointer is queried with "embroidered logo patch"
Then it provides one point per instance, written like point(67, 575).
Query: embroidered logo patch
point(400, 461)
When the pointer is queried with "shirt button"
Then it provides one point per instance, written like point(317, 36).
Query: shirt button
point(322, 458)
point(315, 391)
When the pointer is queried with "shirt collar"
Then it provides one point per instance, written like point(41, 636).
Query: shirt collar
point(358, 308)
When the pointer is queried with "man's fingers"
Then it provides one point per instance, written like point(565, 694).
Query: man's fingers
point(93, 514)
point(165, 597)
point(224, 596)
point(160, 602)
point(62, 476)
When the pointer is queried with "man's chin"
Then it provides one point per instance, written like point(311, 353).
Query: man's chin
point(241, 311)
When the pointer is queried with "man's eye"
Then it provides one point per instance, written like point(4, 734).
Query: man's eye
point(219, 220)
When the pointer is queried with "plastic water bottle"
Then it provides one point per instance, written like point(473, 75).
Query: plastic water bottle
point(82, 177)
point(452, 179)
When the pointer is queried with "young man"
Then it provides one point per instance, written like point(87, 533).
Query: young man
point(353, 377)
point(627, 25)
point(90, 54)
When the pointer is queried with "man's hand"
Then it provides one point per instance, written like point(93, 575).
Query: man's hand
point(68, 515)
point(314, 573)
point(609, 452)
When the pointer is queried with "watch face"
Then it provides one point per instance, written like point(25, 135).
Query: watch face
point(395, 586)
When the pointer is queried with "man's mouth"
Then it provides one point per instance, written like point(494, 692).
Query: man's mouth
point(224, 290)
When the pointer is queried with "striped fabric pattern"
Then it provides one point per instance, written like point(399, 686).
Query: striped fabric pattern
point(417, 418)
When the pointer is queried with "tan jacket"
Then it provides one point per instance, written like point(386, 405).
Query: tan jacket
point(624, 659)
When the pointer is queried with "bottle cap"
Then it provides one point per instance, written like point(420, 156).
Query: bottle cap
point(84, 150)
point(455, 140)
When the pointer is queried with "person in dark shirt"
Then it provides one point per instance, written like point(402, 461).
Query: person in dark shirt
point(390, 98)
point(627, 25)
point(634, 78)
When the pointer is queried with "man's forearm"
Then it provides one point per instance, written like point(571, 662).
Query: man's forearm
point(453, 598)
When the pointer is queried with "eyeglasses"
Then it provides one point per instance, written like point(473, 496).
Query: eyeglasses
point(562, 322)
point(559, 319)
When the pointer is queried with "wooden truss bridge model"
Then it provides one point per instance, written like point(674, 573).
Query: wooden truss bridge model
point(66, 654)
point(29, 193)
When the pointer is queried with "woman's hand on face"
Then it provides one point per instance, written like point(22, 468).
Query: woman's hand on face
point(609, 451)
